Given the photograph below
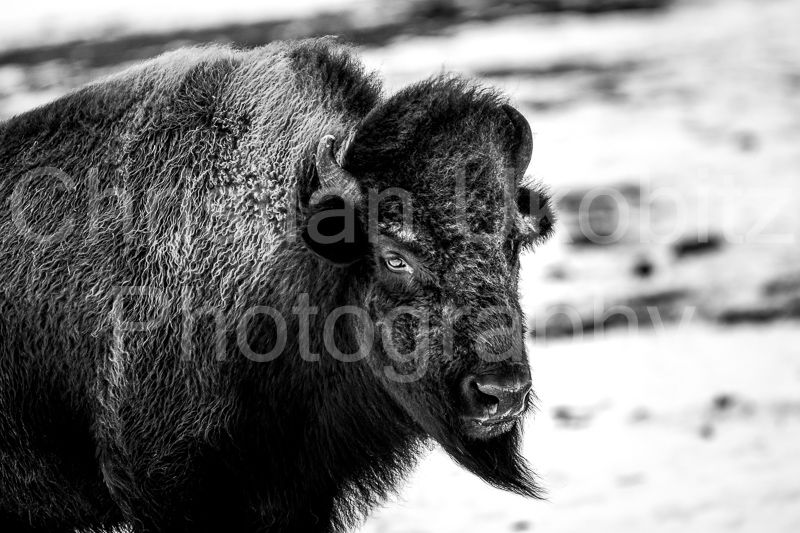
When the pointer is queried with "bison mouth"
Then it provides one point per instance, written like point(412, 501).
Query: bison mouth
point(487, 428)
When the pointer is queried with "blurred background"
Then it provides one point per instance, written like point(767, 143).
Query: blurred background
point(666, 353)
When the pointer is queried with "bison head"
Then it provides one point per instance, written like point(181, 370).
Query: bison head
point(429, 212)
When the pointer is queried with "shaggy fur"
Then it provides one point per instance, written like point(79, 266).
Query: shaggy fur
point(172, 194)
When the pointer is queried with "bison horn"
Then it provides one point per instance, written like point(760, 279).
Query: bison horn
point(333, 178)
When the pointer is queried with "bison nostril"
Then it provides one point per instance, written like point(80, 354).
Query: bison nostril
point(485, 397)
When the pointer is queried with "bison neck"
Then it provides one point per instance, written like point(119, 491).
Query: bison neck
point(313, 409)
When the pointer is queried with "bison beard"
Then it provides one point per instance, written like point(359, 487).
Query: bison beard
point(496, 460)
point(225, 157)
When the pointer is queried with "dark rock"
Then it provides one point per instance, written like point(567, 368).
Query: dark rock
point(694, 245)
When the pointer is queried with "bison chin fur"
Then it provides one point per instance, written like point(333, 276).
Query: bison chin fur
point(498, 461)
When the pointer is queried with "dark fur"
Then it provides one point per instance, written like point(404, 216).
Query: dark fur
point(97, 430)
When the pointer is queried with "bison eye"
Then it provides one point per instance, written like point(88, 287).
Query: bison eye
point(395, 263)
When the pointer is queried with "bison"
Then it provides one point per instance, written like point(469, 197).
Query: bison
point(243, 290)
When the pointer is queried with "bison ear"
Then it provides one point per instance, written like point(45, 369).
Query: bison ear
point(535, 206)
point(521, 143)
point(533, 202)
point(333, 227)
point(334, 232)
